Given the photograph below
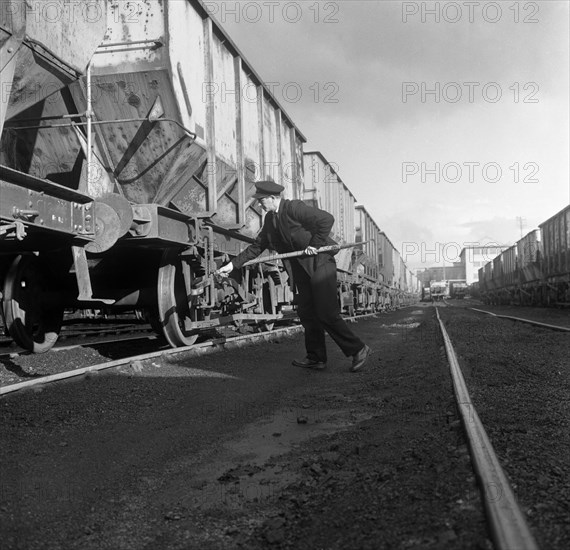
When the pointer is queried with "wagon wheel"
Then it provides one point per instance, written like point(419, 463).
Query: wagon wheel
point(32, 323)
point(173, 306)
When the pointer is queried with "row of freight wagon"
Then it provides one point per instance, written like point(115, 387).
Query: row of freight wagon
point(535, 270)
point(131, 137)
point(374, 273)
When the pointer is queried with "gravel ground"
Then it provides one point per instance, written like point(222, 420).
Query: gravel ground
point(241, 450)
point(519, 380)
point(16, 368)
point(554, 316)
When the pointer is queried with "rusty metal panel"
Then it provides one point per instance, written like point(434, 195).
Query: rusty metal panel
point(510, 265)
point(227, 194)
point(69, 30)
point(346, 214)
point(156, 49)
point(310, 191)
point(252, 223)
point(51, 153)
point(12, 33)
point(187, 61)
point(326, 190)
point(170, 226)
point(299, 164)
point(224, 102)
point(386, 261)
point(149, 159)
point(136, 36)
point(287, 169)
point(191, 198)
point(498, 276)
point(60, 39)
point(397, 267)
point(367, 229)
point(12, 18)
point(270, 142)
point(529, 248)
point(39, 208)
point(251, 143)
point(487, 271)
point(556, 244)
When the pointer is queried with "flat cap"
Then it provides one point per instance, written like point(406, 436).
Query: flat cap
point(267, 188)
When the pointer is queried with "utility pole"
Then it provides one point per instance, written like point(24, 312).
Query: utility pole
point(522, 224)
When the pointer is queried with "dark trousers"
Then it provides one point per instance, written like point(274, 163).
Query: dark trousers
point(319, 310)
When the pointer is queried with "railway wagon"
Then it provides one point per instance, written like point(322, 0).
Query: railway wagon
point(439, 290)
point(457, 289)
point(486, 275)
point(132, 136)
point(386, 267)
point(510, 266)
point(130, 142)
point(370, 288)
point(495, 280)
point(365, 273)
point(399, 274)
point(529, 252)
point(555, 261)
point(325, 189)
point(536, 270)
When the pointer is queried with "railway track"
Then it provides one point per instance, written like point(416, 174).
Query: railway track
point(521, 384)
point(561, 320)
point(528, 321)
point(225, 340)
point(506, 521)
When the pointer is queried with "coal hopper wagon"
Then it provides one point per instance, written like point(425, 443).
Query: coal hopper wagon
point(535, 271)
point(131, 135)
point(371, 276)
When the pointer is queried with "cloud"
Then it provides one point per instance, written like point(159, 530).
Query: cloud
point(365, 127)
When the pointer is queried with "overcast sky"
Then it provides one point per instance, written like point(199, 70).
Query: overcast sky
point(494, 112)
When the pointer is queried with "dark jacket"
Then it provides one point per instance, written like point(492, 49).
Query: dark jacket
point(295, 227)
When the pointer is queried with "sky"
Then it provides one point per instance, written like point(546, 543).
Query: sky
point(449, 121)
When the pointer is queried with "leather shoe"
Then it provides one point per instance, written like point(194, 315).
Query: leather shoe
point(358, 359)
point(309, 364)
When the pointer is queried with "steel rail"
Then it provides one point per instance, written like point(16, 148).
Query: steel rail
point(196, 349)
point(211, 346)
point(529, 321)
point(86, 341)
point(509, 529)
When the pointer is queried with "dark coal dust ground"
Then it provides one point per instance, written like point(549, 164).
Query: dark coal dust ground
point(242, 450)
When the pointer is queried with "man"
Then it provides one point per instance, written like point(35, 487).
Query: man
point(290, 226)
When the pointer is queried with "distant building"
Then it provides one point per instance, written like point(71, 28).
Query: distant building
point(474, 257)
point(441, 273)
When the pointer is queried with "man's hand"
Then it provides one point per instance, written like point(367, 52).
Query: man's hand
point(225, 270)
point(310, 251)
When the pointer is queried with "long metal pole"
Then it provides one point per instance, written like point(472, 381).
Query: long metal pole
point(297, 253)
